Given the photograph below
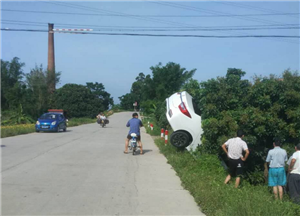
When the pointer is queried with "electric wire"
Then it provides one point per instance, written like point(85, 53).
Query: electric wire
point(251, 7)
point(176, 5)
point(137, 15)
point(209, 28)
point(162, 35)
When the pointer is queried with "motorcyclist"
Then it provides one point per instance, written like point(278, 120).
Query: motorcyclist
point(135, 123)
point(101, 117)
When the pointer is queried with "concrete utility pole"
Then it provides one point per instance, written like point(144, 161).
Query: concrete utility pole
point(51, 59)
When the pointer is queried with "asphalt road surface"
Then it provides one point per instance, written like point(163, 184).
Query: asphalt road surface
point(84, 172)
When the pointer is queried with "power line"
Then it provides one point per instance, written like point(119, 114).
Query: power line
point(165, 30)
point(137, 15)
point(126, 15)
point(163, 27)
point(176, 5)
point(186, 7)
point(112, 12)
point(112, 28)
point(162, 35)
point(251, 7)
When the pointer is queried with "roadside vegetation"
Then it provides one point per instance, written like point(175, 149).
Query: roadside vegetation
point(203, 176)
point(26, 96)
point(18, 129)
point(264, 108)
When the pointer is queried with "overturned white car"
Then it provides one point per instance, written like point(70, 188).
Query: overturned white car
point(185, 122)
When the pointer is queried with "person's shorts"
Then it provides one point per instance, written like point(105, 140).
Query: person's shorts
point(138, 137)
point(236, 167)
point(277, 176)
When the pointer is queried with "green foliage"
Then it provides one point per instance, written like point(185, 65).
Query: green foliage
point(26, 96)
point(83, 101)
point(38, 98)
point(203, 176)
point(150, 92)
point(12, 88)
point(15, 117)
point(267, 108)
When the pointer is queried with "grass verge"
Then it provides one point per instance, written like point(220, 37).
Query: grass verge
point(203, 177)
point(14, 130)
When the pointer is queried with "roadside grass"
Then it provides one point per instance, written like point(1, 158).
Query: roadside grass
point(80, 121)
point(203, 176)
point(14, 130)
point(156, 128)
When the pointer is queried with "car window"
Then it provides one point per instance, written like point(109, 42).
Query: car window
point(196, 109)
point(48, 116)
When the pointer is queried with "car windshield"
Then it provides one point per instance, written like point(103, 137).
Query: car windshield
point(49, 116)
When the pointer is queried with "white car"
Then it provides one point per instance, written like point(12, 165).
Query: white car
point(184, 121)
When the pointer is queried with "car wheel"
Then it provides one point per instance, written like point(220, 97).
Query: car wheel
point(65, 129)
point(180, 139)
point(37, 131)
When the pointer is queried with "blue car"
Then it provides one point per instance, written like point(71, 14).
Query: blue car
point(51, 122)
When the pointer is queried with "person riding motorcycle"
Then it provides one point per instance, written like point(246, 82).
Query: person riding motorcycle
point(101, 117)
point(135, 123)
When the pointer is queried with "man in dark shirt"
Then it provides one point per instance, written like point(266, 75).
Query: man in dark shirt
point(135, 123)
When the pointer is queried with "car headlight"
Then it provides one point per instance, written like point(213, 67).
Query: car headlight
point(37, 122)
point(53, 123)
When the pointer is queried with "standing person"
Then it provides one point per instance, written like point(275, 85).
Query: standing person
point(276, 159)
point(294, 176)
point(135, 123)
point(236, 146)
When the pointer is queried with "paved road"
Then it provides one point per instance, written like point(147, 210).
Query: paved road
point(84, 172)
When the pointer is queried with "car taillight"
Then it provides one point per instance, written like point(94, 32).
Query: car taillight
point(184, 110)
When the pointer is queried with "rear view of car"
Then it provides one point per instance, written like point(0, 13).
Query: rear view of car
point(184, 121)
point(51, 122)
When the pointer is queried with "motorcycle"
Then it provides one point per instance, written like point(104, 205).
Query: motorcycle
point(133, 143)
point(102, 122)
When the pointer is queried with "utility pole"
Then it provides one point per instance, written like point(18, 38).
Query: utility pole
point(51, 59)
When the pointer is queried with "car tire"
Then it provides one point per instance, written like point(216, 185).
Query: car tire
point(65, 129)
point(180, 139)
point(37, 131)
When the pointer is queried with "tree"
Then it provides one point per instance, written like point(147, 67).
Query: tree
point(105, 101)
point(168, 79)
point(11, 83)
point(82, 101)
point(151, 92)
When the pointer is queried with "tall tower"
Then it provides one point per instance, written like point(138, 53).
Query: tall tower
point(51, 59)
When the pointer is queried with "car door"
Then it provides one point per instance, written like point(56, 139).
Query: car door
point(60, 121)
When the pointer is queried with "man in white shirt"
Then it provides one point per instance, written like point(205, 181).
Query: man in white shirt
point(236, 146)
point(294, 176)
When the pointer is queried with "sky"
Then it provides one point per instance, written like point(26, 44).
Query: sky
point(116, 60)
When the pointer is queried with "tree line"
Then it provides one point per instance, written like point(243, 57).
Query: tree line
point(264, 108)
point(25, 96)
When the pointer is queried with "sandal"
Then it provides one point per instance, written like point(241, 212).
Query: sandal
point(125, 152)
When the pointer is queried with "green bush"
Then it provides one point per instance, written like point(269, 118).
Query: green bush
point(266, 108)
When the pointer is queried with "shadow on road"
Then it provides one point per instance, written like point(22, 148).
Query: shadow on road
point(145, 151)
point(46, 132)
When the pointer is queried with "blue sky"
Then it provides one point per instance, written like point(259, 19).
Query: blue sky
point(116, 61)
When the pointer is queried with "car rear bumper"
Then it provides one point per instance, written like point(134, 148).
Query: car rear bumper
point(50, 128)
